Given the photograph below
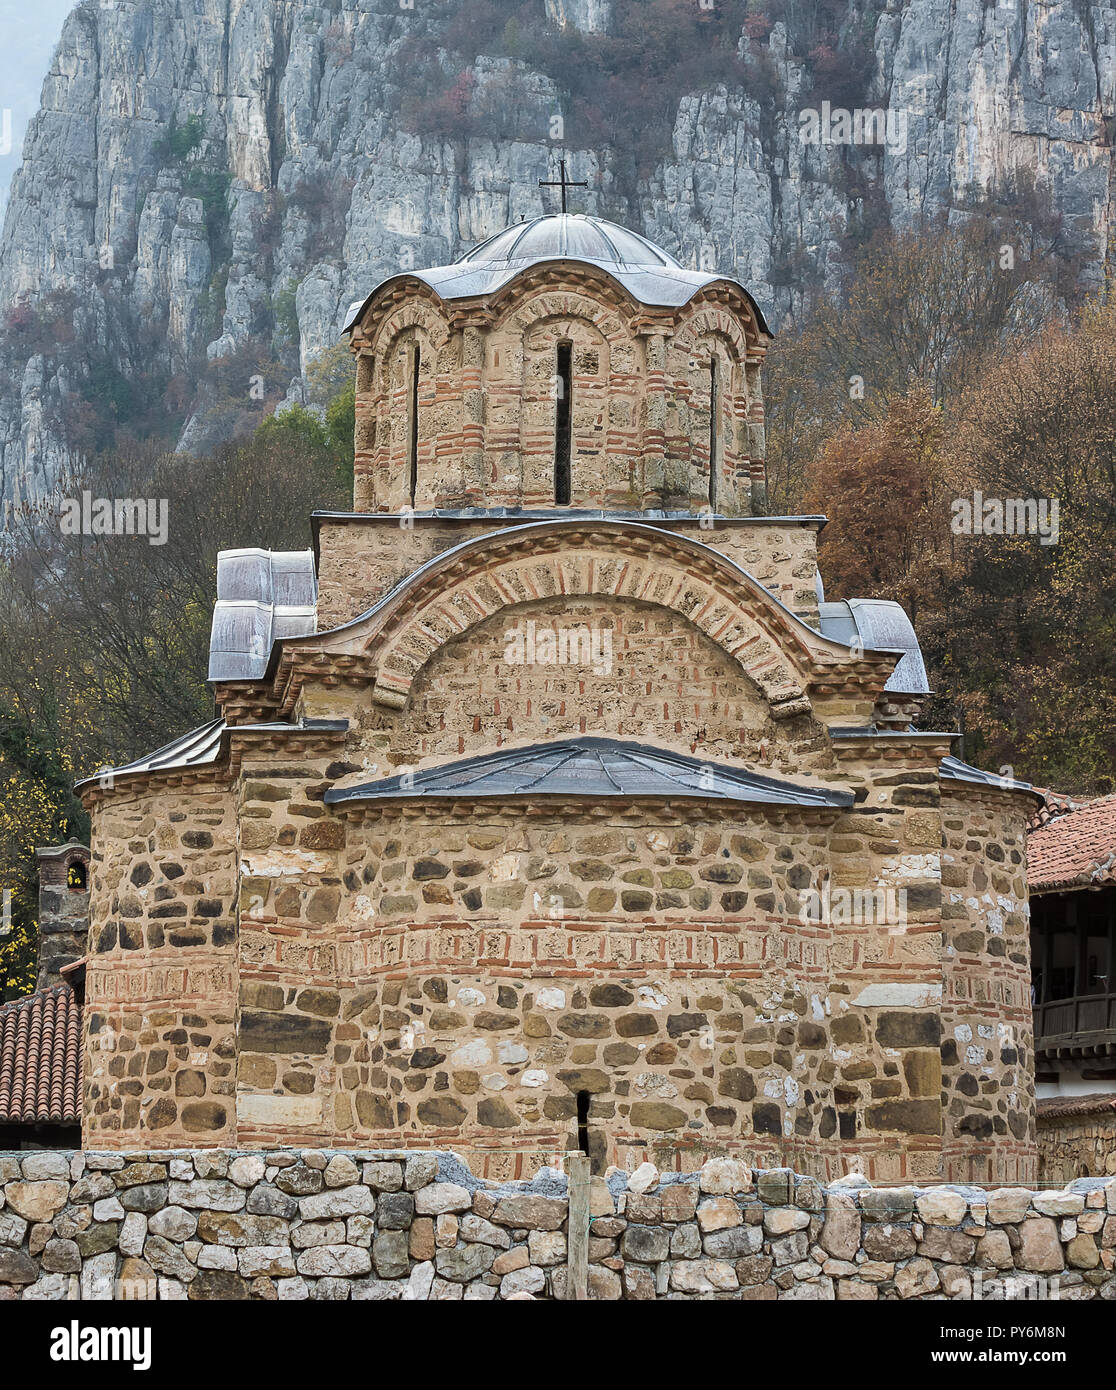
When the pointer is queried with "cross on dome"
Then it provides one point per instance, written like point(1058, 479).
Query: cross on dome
point(563, 183)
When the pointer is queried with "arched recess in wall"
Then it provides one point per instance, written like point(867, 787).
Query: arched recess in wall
point(630, 663)
point(710, 387)
point(771, 646)
point(564, 364)
point(407, 356)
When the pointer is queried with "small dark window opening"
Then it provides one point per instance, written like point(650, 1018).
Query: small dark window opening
point(563, 383)
point(713, 412)
point(416, 363)
point(583, 1121)
point(76, 877)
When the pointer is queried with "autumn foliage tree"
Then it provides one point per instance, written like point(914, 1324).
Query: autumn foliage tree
point(917, 310)
point(877, 485)
point(106, 637)
point(1029, 627)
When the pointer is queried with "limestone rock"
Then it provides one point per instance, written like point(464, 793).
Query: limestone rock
point(644, 1178)
point(725, 1175)
point(942, 1207)
point(1007, 1205)
point(37, 1201)
point(702, 1276)
point(840, 1234)
point(1040, 1249)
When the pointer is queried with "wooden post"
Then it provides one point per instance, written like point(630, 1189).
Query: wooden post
point(577, 1238)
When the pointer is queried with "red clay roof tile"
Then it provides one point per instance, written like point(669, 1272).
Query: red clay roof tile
point(1077, 850)
point(1059, 1107)
point(40, 1059)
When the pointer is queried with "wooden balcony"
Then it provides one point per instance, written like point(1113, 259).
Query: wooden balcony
point(1081, 1026)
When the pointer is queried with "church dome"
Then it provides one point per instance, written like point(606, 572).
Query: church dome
point(568, 236)
point(651, 275)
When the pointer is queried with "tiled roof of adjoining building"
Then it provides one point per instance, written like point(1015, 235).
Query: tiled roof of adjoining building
point(1075, 850)
point(40, 1059)
point(1064, 1107)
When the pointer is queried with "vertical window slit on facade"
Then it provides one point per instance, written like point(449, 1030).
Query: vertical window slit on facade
point(583, 1121)
point(412, 447)
point(714, 405)
point(563, 405)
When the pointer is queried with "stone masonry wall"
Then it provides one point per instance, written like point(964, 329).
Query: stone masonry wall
point(386, 1225)
point(161, 979)
point(438, 979)
point(987, 1030)
point(360, 560)
point(1072, 1146)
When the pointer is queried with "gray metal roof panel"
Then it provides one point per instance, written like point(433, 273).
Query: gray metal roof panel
point(589, 767)
point(205, 746)
point(880, 625)
point(198, 748)
point(650, 275)
point(953, 769)
point(262, 595)
point(576, 234)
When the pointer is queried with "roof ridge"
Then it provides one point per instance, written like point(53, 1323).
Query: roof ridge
point(25, 999)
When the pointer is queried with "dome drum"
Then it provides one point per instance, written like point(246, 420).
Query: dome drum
point(564, 362)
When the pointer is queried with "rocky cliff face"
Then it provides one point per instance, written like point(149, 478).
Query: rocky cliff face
point(206, 176)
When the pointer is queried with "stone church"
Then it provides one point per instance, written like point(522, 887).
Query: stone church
point(551, 806)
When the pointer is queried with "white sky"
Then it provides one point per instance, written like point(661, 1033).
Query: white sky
point(29, 31)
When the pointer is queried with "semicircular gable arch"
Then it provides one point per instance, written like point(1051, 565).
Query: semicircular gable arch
point(728, 303)
point(583, 558)
point(712, 321)
point(561, 289)
point(417, 314)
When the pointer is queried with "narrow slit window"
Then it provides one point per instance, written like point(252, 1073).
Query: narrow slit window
point(563, 386)
point(412, 447)
point(714, 409)
point(583, 1121)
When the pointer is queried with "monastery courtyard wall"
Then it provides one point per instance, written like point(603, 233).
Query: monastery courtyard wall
point(285, 1225)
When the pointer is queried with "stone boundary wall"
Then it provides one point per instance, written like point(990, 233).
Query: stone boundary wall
point(1071, 1144)
point(288, 1225)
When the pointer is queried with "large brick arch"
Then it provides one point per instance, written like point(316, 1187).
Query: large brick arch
point(581, 559)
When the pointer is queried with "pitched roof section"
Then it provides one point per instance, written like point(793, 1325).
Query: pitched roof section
point(600, 768)
point(650, 275)
point(204, 747)
point(954, 770)
point(40, 1059)
point(1062, 1107)
point(199, 748)
point(1077, 850)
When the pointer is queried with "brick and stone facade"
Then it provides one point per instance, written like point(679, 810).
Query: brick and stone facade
point(63, 909)
point(379, 1226)
point(829, 973)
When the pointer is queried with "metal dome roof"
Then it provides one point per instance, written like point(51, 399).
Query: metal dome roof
point(650, 275)
point(568, 235)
